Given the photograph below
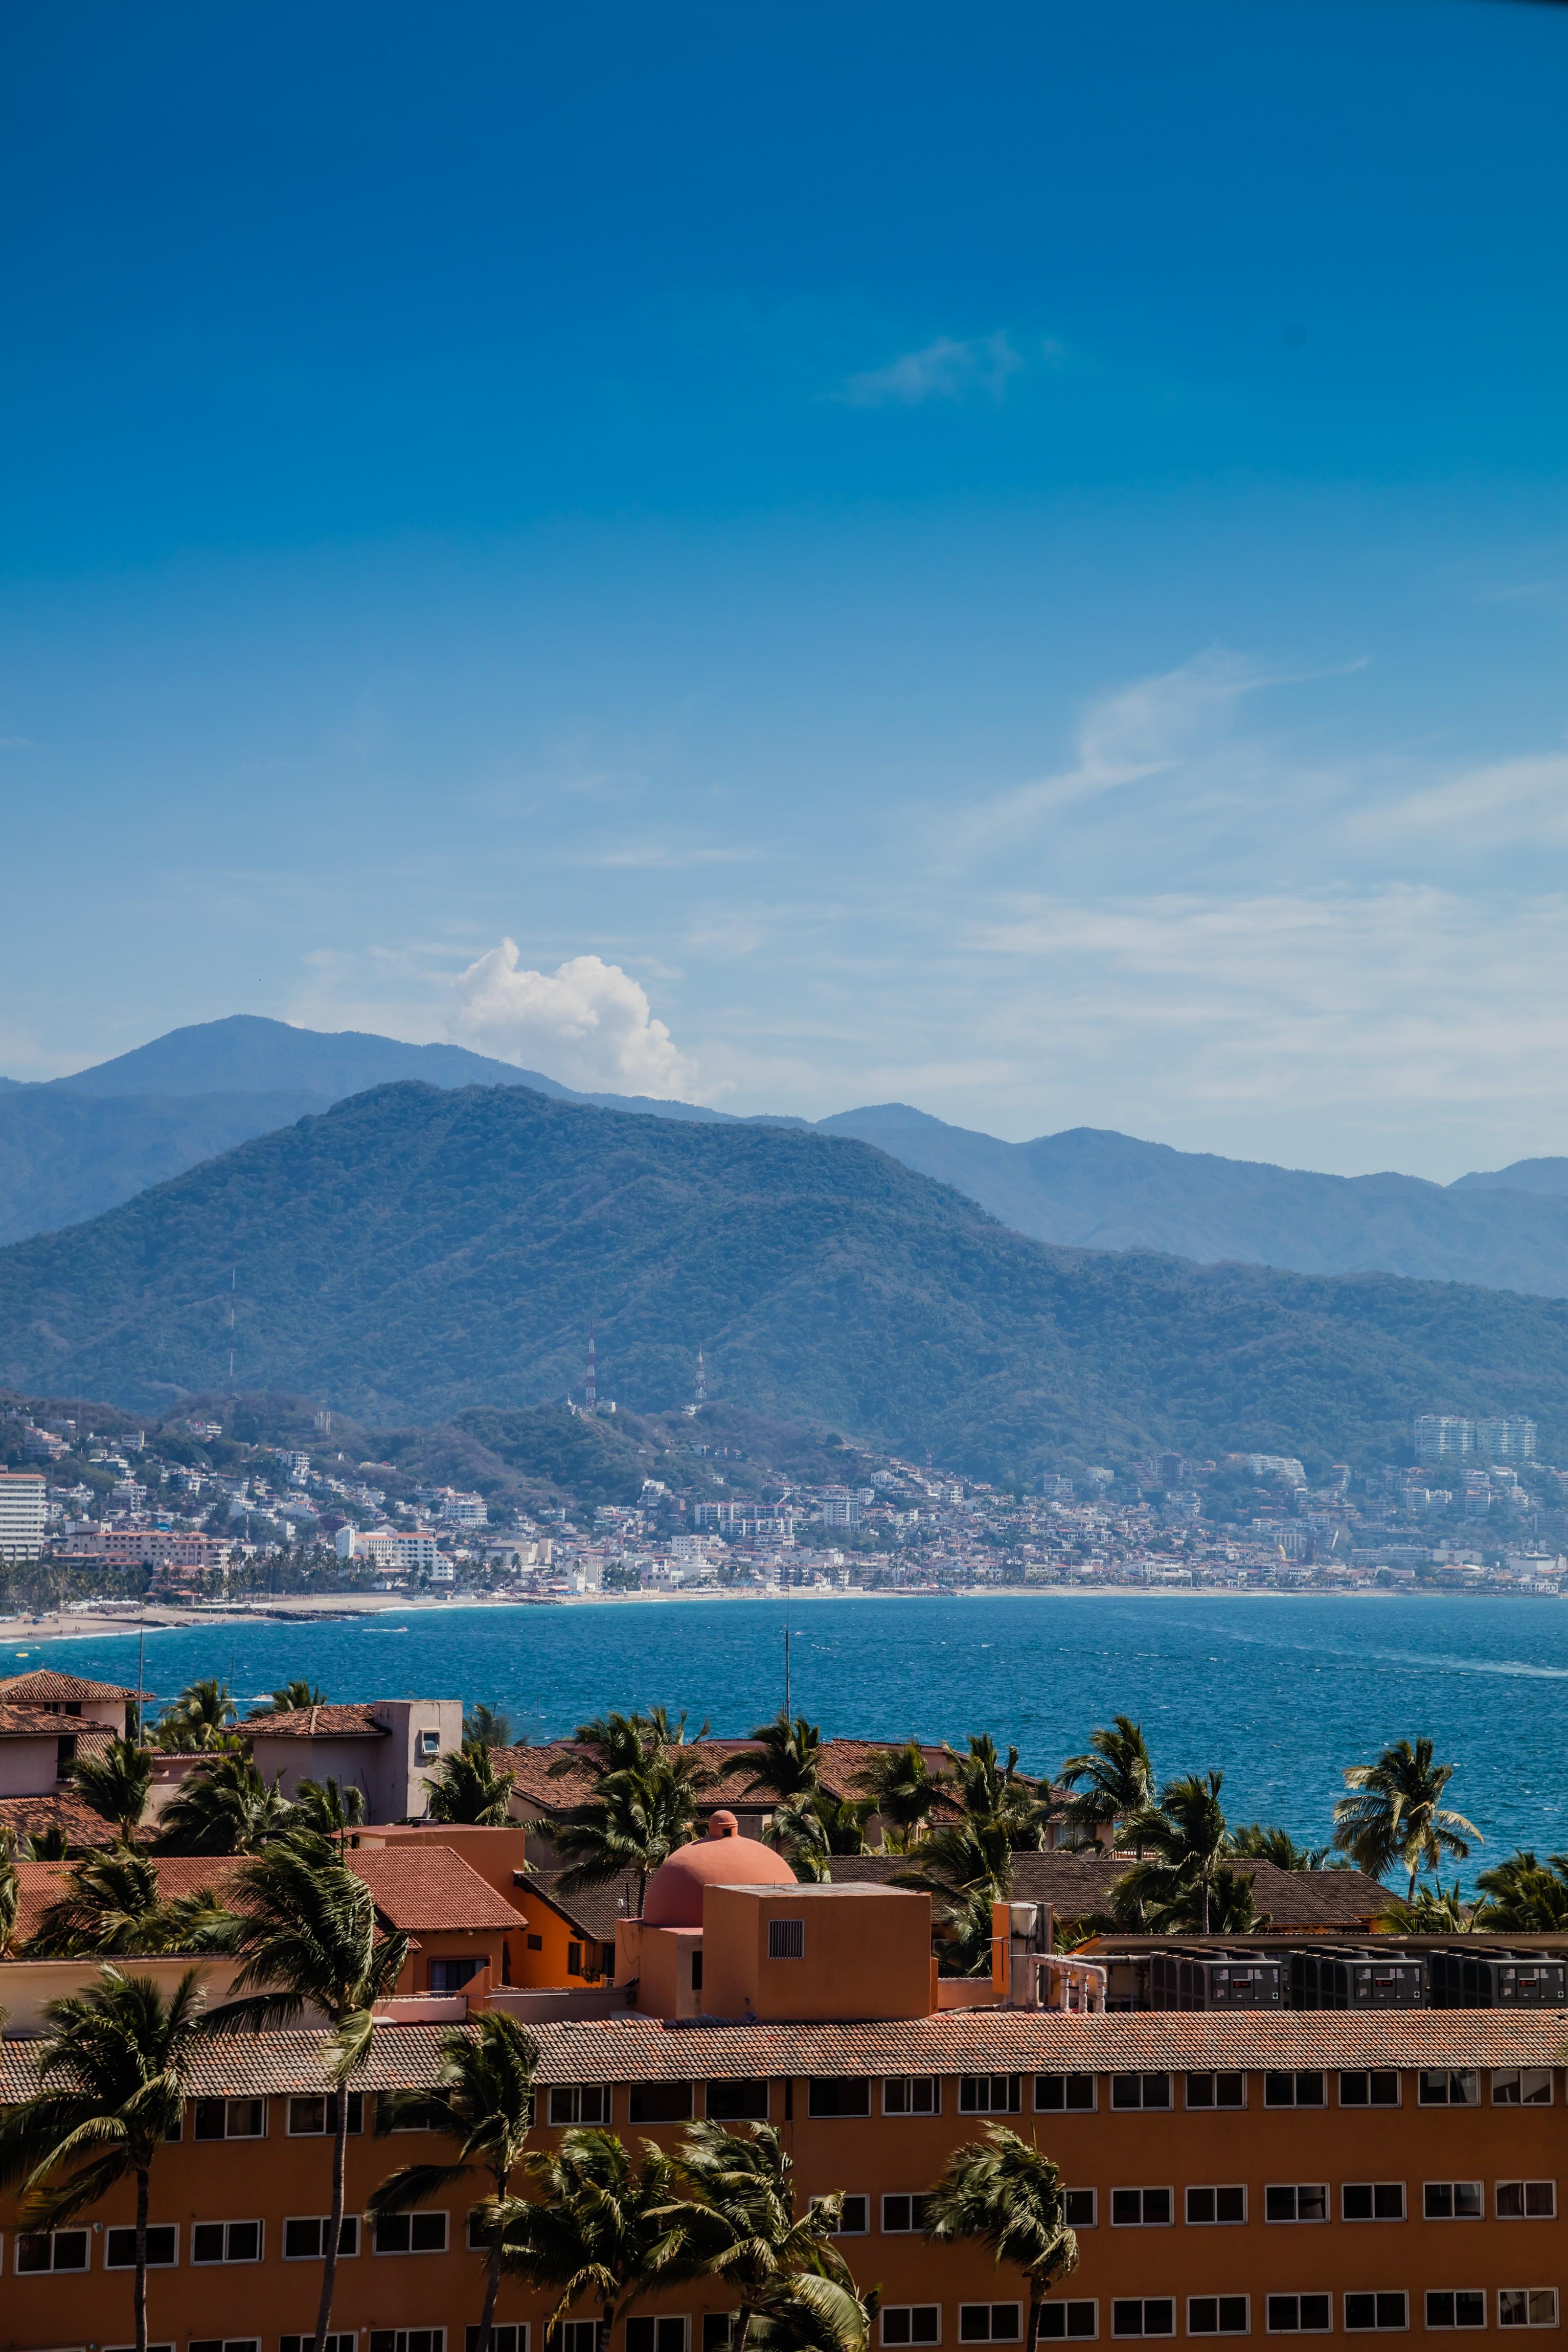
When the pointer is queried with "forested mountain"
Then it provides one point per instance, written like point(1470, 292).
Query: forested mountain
point(414, 1252)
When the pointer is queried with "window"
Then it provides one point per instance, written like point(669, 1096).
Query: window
point(1149, 2314)
point(912, 2094)
point(162, 2247)
point(1527, 2306)
point(1522, 2086)
point(1216, 2091)
point(840, 2094)
point(1218, 2314)
point(1142, 2208)
point(478, 2236)
point(1299, 2090)
point(536, 1943)
point(1378, 2088)
point(430, 1743)
point(1372, 2200)
point(411, 2233)
point(1063, 2322)
point(433, 2339)
point(1526, 2200)
point(990, 2095)
point(226, 2241)
point(231, 2118)
point(902, 2214)
point(1300, 2201)
point(737, 2103)
point(786, 1939)
point(1377, 2310)
point(226, 2343)
point(667, 2332)
point(334, 2343)
point(1463, 2307)
point(1440, 2087)
point(307, 2119)
point(719, 2330)
point(1452, 2200)
point(1140, 2090)
point(583, 2104)
point(307, 2240)
point(912, 2323)
point(51, 2250)
point(661, 2102)
point(989, 2323)
point(451, 1976)
point(1214, 2205)
point(1300, 2315)
point(855, 2216)
point(513, 2338)
point(1056, 2095)
point(571, 2336)
point(1079, 2208)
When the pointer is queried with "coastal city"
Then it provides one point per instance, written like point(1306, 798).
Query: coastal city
point(208, 1508)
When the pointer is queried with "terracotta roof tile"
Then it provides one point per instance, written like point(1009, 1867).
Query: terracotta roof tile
point(317, 1723)
point(42, 1883)
point(45, 1685)
point(1080, 1885)
point(254, 2065)
point(26, 1816)
point(592, 1910)
point(425, 1889)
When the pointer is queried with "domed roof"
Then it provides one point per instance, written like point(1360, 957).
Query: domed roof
point(724, 1858)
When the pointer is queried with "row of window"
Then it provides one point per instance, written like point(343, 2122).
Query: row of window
point(1360, 2200)
point(1132, 2317)
point(305, 2238)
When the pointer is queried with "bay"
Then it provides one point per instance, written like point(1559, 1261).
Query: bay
point(1280, 1693)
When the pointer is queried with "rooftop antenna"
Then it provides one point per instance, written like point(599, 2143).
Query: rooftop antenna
point(591, 1393)
point(699, 1390)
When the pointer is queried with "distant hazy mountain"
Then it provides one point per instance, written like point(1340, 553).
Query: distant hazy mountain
point(1524, 1176)
point(1096, 1190)
point(414, 1252)
point(82, 1144)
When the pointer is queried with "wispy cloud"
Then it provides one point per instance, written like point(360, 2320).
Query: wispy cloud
point(1511, 802)
point(946, 370)
point(665, 856)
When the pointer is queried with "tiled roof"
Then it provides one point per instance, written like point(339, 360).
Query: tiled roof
point(529, 1769)
point(45, 1685)
point(33, 1723)
point(254, 2065)
point(317, 1723)
point(42, 1883)
point(635, 2048)
point(26, 1816)
point(426, 1889)
point(1078, 1885)
point(840, 1766)
point(592, 1910)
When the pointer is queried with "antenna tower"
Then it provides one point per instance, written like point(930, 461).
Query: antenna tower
point(233, 1278)
point(591, 1393)
point(699, 1387)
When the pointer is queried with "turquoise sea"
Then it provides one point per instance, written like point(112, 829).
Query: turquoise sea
point(1282, 1692)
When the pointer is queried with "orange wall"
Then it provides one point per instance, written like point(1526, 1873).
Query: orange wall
point(279, 2176)
point(867, 1952)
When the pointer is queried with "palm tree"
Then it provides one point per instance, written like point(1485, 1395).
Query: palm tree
point(466, 1786)
point(986, 1790)
point(223, 1807)
point(112, 2072)
point(905, 1791)
point(309, 1940)
point(746, 2233)
point(965, 1867)
point(1186, 1837)
point(111, 1906)
point(1437, 1910)
point(808, 1830)
point(10, 1889)
point(1279, 1847)
point(326, 1808)
point(815, 2315)
point(786, 1761)
point(484, 1726)
point(198, 1719)
point(1003, 2193)
point(598, 2227)
point(483, 2099)
point(634, 1819)
point(49, 1844)
point(293, 1699)
point(1117, 1777)
point(1522, 1896)
point(116, 1781)
point(1393, 1814)
point(1151, 1899)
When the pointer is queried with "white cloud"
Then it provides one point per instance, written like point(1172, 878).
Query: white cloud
point(587, 1024)
point(945, 370)
point(1511, 800)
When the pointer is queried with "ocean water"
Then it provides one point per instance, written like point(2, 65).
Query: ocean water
point(1281, 1692)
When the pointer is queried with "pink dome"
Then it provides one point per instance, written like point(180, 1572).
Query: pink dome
point(674, 1896)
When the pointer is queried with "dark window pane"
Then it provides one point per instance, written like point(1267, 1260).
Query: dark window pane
point(661, 2102)
point(738, 2102)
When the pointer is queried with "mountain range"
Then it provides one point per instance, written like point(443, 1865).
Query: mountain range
point(76, 1146)
point(416, 1251)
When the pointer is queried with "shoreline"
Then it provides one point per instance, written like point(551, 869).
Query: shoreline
point(20, 1633)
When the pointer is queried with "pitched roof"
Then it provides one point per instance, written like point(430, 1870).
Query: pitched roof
point(591, 1910)
point(43, 1882)
point(841, 1763)
point(404, 2057)
point(426, 1889)
point(26, 1816)
point(1080, 1885)
point(38, 1689)
point(317, 1723)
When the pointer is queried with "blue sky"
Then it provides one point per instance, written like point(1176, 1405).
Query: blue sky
point(1011, 560)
